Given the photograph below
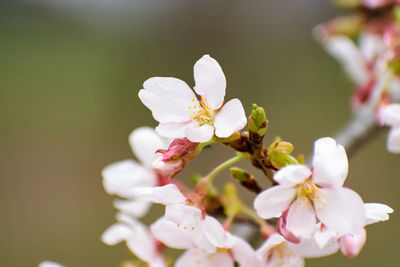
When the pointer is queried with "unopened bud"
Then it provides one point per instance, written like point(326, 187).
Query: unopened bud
point(168, 168)
point(257, 123)
point(279, 154)
point(174, 159)
point(351, 245)
point(246, 180)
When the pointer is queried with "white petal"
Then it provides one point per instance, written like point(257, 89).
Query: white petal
point(309, 248)
point(116, 233)
point(199, 258)
point(142, 244)
point(272, 241)
point(244, 254)
point(292, 175)
point(136, 208)
point(173, 129)
point(301, 219)
point(286, 258)
point(344, 211)
point(330, 164)
point(376, 212)
point(210, 81)
point(184, 215)
point(50, 264)
point(390, 115)
point(347, 53)
point(168, 99)
point(171, 234)
point(214, 232)
point(273, 201)
point(371, 46)
point(324, 237)
point(145, 142)
point(158, 262)
point(199, 134)
point(230, 118)
point(121, 177)
point(167, 194)
point(393, 143)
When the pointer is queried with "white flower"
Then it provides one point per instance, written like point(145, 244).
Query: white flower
point(138, 239)
point(360, 63)
point(276, 251)
point(121, 177)
point(191, 225)
point(197, 253)
point(50, 264)
point(390, 115)
point(181, 114)
point(314, 194)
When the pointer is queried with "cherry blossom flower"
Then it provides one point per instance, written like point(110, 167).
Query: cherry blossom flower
point(121, 177)
point(366, 65)
point(235, 250)
point(180, 114)
point(138, 239)
point(390, 115)
point(277, 251)
point(317, 194)
point(201, 229)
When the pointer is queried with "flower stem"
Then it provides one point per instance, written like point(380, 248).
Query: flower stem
point(225, 165)
point(266, 229)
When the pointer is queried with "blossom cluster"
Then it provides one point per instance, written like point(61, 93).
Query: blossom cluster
point(316, 215)
point(367, 43)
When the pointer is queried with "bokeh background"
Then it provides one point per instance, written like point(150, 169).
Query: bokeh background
point(70, 72)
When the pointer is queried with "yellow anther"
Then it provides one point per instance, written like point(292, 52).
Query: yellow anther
point(185, 227)
point(192, 228)
point(178, 225)
point(319, 208)
point(197, 261)
point(190, 107)
point(193, 99)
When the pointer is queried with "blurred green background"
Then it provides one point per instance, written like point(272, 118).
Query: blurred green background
point(69, 76)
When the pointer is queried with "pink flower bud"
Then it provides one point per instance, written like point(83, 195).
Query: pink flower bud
point(289, 236)
point(174, 159)
point(167, 168)
point(351, 245)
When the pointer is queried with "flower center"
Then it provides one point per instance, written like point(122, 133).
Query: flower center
point(202, 113)
point(309, 192)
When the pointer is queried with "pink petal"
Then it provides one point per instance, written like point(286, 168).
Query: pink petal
point(301, 219)
point(309, 248)
point(210, 81)
point(292, 175)
point(344, 211)
point(330, 164)
point(273, 201)
point(168, 99)
point(351, 245)
point(230, 118)
point(199, 134)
